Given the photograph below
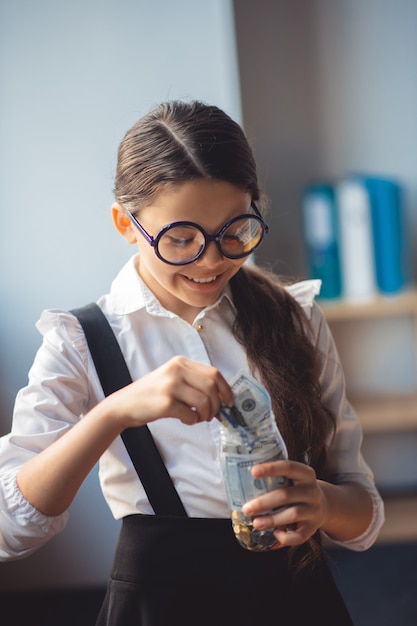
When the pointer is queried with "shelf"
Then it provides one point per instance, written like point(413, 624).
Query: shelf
point(400, 519)
point(385, 413)
point(380, 306)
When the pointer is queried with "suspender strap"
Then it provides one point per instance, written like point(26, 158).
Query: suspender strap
point(113, 374)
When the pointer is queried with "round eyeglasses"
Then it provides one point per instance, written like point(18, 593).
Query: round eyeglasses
point(181, 243)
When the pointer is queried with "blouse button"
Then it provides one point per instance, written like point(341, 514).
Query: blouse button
point(199, 328)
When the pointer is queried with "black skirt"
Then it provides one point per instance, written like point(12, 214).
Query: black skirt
point(193, 572)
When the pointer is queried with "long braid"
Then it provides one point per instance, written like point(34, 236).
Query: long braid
point(270, 325)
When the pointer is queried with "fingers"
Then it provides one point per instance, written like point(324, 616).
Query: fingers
point(198, 387)
point(295, 511)
point(181, 388)
point(209, 381)
point(293, 525)
point(291, 536)
point(301, 477)
point(297, 472)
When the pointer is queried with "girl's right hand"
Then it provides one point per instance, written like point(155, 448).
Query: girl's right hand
point(181, 388)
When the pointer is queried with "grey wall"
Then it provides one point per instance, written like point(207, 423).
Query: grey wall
point(74, 76)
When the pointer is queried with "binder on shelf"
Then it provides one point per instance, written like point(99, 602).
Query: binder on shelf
point(319, 219)
point(391, 251)
point(356, 240)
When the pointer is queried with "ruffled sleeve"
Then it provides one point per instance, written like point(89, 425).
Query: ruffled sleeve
point(58, 393)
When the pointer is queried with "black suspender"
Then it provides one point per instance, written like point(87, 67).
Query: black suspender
point(113, 374)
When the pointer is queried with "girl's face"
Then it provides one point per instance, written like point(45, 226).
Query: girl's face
point(187, 289)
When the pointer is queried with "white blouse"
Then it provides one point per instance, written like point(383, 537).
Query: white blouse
point(63, 386)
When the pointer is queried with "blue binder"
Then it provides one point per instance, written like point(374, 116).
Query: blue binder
point(319, 218)
point(390, 245)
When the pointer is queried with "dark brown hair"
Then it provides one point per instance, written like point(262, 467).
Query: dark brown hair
point(178, 142)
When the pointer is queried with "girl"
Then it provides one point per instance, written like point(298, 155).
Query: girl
point(188, 313)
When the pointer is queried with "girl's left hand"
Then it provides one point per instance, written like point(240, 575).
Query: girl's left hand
point(303, 503)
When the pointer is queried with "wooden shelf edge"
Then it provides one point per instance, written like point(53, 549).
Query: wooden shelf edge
point(385, 413)
point(404, 303)
point(400, 519)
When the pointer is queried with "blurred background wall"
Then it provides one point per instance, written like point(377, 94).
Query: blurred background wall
point(74, 76)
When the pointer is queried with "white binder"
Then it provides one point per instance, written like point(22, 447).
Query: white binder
point(356, 241)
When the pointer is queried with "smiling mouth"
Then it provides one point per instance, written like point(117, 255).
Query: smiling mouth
point(207, 279)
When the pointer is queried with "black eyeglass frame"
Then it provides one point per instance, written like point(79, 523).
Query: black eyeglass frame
point(154, 241)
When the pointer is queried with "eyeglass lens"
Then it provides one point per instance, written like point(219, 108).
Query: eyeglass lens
point(183, 243)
